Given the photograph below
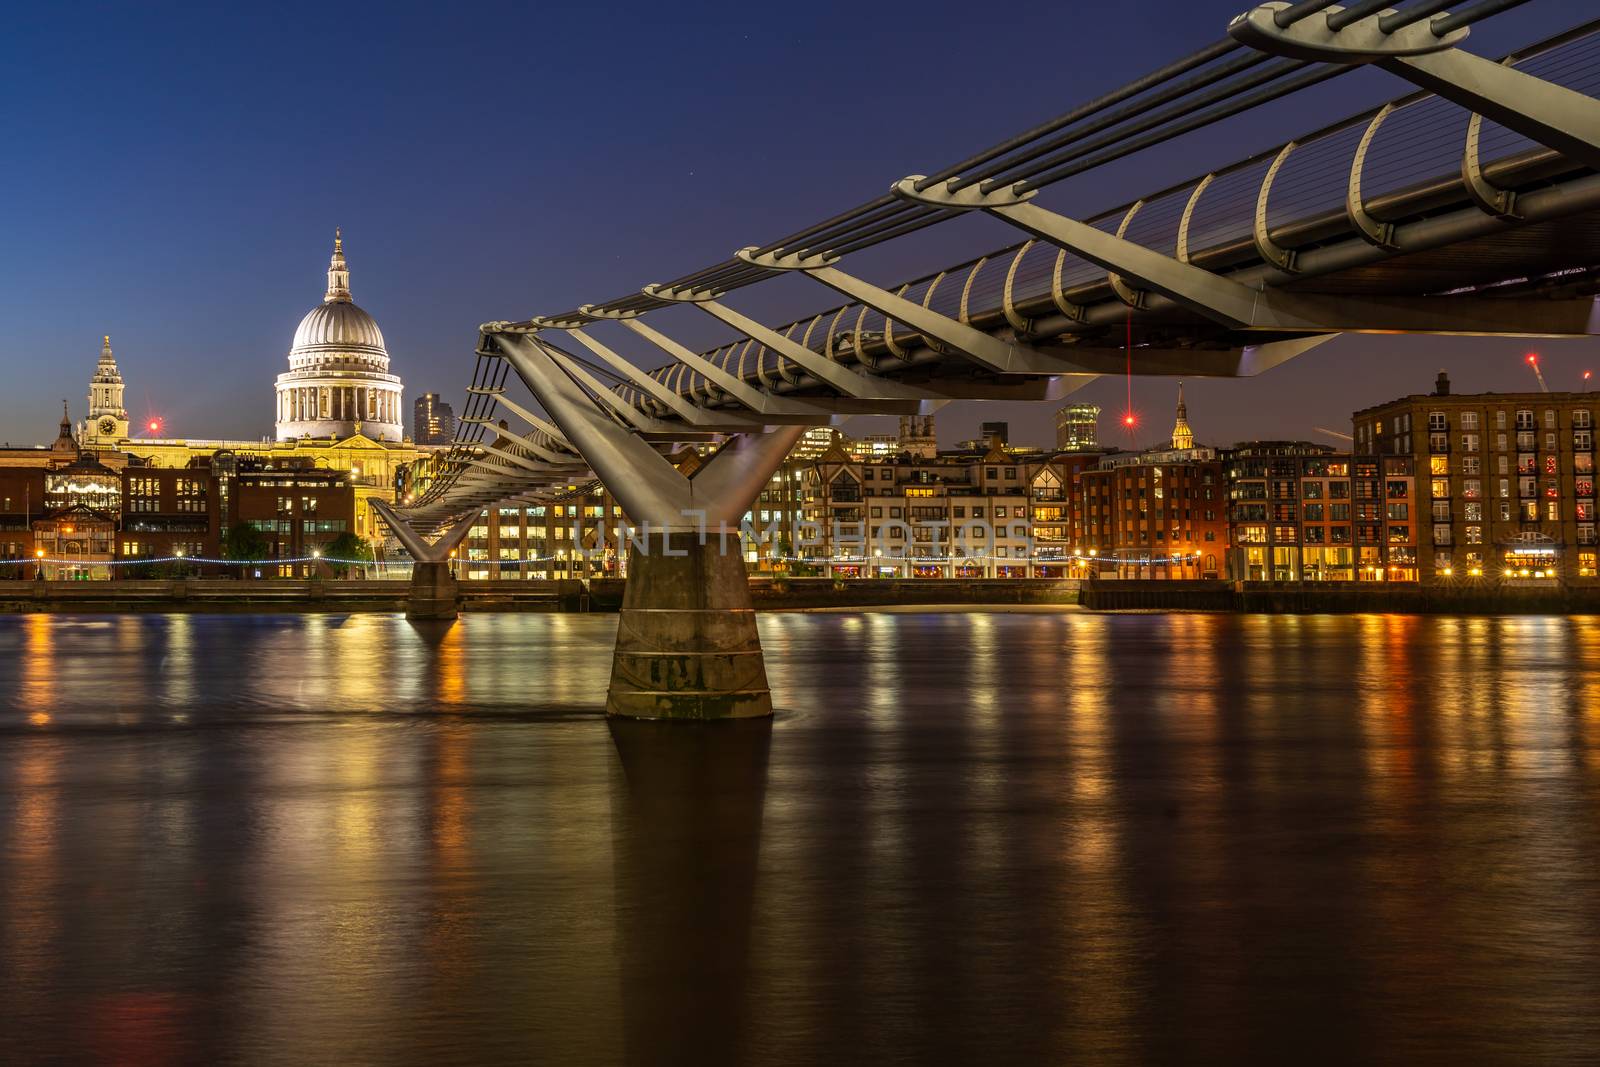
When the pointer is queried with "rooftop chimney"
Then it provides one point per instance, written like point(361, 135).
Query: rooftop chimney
point(1441, 385)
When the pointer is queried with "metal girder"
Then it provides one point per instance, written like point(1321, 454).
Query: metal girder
point(988, 351)
point(527, 442)
point(1266, 247)
point(1502, 203)
point(1371, 230)
point(772, 409)
point(1193, 362)
point(1550, 114)
point(850, 382)
point(689, 412)
point(511, 457)
point(646, 485)
point(605, 397)
point(542, 425)
point(1243, 308)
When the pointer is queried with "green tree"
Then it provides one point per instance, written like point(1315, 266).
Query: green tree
point(348, 547)
point(242, 542)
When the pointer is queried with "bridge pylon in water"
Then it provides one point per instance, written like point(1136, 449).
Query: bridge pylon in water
point(687, 646)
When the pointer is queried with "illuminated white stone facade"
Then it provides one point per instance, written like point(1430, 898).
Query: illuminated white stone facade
point(338, 382)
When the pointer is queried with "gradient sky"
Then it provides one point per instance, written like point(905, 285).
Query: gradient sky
point(173, 174)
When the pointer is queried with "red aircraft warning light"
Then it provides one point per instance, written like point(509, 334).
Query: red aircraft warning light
point(1533, 361)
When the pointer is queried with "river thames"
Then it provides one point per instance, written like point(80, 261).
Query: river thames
point(966, 837)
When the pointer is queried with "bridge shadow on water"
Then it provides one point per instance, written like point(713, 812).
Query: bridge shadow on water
point(687, 813)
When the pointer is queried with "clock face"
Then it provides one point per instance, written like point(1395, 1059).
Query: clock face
point(107, 427)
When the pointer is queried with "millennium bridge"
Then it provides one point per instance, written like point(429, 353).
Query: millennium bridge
point(1470, 205)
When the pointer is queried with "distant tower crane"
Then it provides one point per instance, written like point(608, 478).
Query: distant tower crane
point(1533, 361)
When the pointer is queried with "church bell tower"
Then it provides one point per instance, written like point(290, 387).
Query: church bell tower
point(108, 419)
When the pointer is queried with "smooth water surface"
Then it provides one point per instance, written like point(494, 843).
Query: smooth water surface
point(975, 838)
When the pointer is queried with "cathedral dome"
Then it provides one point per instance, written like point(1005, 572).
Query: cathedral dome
point(338, 326)
point(338, 383)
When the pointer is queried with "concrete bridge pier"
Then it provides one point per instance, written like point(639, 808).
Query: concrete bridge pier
point(434, 594)
point(687, 646)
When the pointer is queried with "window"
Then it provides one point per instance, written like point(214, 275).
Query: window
point(1469, 442)
point(1552, 510)
point(1436, 421)
point(1583, 440)
point(1441, 511)
point(1525, 419)
point(1399, 512)
point(1438, 442)
point(1581, 420)
point(1472, 488)
point(1500, 442)
point(1474, 535)
point(1472, 465)
point(1500, 419)
point(1586, 564)
point(1441, 534)
point(1473, 512)
point(1441, 488)
point(1503, 464)
point(1549, 418)
point(1438, 466)
point(1469, 420)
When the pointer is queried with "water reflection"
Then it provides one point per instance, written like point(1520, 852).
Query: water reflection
point(1010, 837)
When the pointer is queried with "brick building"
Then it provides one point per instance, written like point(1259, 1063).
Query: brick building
point(299, 509)
point(1507, 481)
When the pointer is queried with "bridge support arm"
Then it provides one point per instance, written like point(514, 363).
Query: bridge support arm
point(849, 382)
point(1541, 110)
point(433, 588)
point(1243, 308)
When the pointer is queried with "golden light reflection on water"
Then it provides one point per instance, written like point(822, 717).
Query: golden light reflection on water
point(38, 689)
point(1092, 828)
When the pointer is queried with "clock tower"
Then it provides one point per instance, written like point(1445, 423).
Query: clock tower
point(108, 419)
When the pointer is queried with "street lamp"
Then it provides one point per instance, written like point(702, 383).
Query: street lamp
point(38, 554)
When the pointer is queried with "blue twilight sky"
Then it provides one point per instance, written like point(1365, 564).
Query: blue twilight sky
point(173, 175)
